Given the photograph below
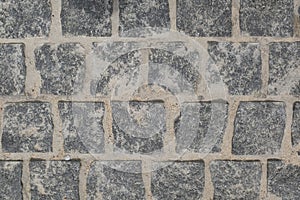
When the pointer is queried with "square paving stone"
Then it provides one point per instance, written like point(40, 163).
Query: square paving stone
point(296, 124)
point(11, 180)
point(120, 180)
point(138, 127)
point(284, 72)
point(267, 17)
point(177, 180)
point(200, 127)
point(236, 179)
point(62, 68)
point(25, 18)
point(283, 180)
point(239, 65)
point(86, 18)
point(12, 69)
point(143, 18)
point(204, 18)
point(27, 127)
point(82, 124)
point(54, 179)
point(258, 128)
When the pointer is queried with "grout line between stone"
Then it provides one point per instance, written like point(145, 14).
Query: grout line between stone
point(84, 168)
point(115, 19)
point(236, 32)
point(56, 28)
point(264, 180)
point(58, 139)
point(172, 13)
point(286, 146)
point(264, 48)
point(146, 174)
point(26, 178)
point(297, 19)
point(107, 125)
point(208, 188)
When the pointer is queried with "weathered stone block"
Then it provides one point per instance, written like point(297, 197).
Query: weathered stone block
point(296, 124)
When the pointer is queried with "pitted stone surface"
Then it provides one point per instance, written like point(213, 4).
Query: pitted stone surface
point(120, 180)
point(258, 128)
point(236, 179)
point(239, 65)
point(204, 18)
point(201, 126)
point(62, 68)
point(284, 72)
point(27, 18)
point(54, 179)
point(82, 124)
point(296, 124)
point(267, 17)
point(178, 180)
point(143, 18)
point(27, 127)
point(86, 18)
point(138, 127)
point(12, 69)
point(283, 180)
point(11, 180)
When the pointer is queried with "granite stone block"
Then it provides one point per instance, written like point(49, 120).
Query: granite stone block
point(296, 124)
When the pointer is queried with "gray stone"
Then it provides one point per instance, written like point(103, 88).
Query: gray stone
point(54, 179)
point(258, 128)
point(204, 18)
point(11, 180)
point(239, 65)
point(201, 126)
point(27, 127)
point(138, 127)
point(267, 18)
point(236, 179)
point(296, 124)
point(284, 72)
point(178, 180)
point(86, 18)
point(62, 68)
point(283, 180)
point(12, 69)
point(120, 180)
point(82, 126)
point(143, 18)
point(27, 18)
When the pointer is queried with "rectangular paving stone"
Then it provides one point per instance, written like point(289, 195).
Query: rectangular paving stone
point(200, 127)
point(138, 127)
point(284, 69)
point(204, 18)
point(12, 69)
point(177, 180)
point(258, 128)
point(267, 18)
point(239, 66)
point(143, 18)
point(27, 127)
point(86, 18)
point(54, 179)
point(62, 68)
point(26, 18)
point(120, 180)
point(82, 126)
point(283, 180)
point(236, 179)
point(11, 180)
point(296, 124)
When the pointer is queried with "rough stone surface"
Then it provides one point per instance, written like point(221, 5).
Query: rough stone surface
point(27, 127)
point(82, 126)
point(258, 128)
point(115, 180)
point(239, 65)
point(178, 180)
point(204, 18)
point(200, 127)
point(283, 180)
point(144, 17)
point(267, 18)
point(236, 179)
point(138, 127)
point(54, 179)
point(87, 18)
point(284, 72)
point(296, 124)
point(11, 180)
point(62, 68)
point(27, 18)
point(12, 69)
